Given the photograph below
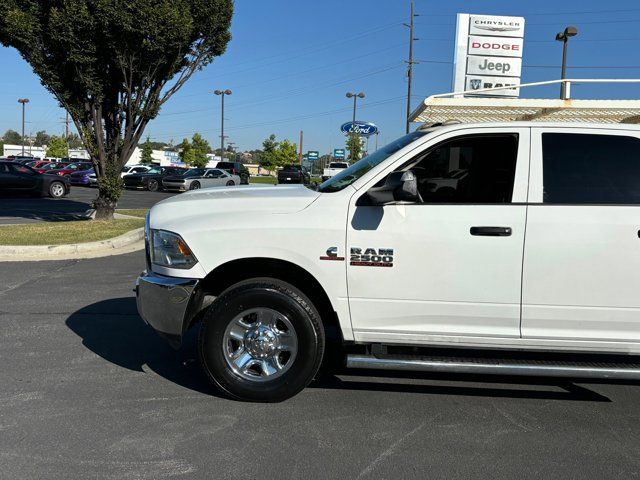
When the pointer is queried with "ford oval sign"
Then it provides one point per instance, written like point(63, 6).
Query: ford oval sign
point(362, 128)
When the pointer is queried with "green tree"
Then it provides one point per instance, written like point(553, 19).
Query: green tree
point(42, 139)
point(57, 147)
point(146, 156)
point(74, 141)
point(113, 64)
point(286, 153)
point(1, 148)
point(200, 148)
point(11, 137)
point(268, 155)
point(185, 152)
point(354, 146)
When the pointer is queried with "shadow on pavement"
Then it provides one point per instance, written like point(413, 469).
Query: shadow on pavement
point(494, 386)
point(113, 330)
point(42, 209)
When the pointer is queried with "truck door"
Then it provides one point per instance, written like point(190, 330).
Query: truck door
point(451, 264)
point(582, 255)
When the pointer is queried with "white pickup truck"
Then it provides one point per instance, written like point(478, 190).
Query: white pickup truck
point(333, 169)
point(532, 255)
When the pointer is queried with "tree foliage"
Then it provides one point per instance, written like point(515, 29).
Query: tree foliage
point(146, 156)
point(185, 152)
point(112, 65)
point(11, 137)
point(354, 146)
point(286, 153)
point(268, 155)
point(57, 147)
point(74, 140)
point(200, 148)
point(42, 139)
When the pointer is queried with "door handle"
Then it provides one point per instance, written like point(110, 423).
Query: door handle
point(491, 231)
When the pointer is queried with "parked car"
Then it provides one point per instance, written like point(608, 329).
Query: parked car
point(129, 169)
point(81, 177)
point(152, 179)
point(67, 170)
point(535, 255)
point(93, 179)
point(52, 166)
point(18, 178)
point(294, 174)
point(333, 169)
point(235, 168)
point(197, 178)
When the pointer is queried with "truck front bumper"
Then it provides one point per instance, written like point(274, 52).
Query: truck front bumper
point(167, 304)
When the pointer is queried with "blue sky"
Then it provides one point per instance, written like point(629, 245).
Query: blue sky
point(291, 62)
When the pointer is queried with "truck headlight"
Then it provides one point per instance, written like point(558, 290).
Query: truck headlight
point(170, 250)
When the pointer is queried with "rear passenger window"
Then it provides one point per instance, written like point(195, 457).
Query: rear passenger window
point(590, 169)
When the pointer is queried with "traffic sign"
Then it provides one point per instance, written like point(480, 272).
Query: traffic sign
point(339, 153)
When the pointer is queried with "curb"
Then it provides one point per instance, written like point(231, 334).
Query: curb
point(112, 246)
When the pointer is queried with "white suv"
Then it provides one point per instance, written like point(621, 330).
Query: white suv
point(534, 249)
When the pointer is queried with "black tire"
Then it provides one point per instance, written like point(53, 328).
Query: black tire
point(194, 186)
point(230, 183)
point(153, 185)
point(285, 299)
point(57, 190)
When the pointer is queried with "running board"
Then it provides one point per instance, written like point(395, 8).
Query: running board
point(487, 366)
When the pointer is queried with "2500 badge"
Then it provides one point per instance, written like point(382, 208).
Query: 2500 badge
point(371, 257)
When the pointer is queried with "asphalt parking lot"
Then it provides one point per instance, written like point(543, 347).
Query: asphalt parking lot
point(30, 209)
point(89, 391)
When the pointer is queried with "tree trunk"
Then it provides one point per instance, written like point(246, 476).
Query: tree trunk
point(105, 207)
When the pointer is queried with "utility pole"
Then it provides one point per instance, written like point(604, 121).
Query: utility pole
point(222, 93)
point(410, 64)
point(300, 151)
point(23, 101)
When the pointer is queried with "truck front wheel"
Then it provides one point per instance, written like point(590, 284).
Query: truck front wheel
point(261, 340)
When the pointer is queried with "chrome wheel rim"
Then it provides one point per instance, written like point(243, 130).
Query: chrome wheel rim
point(57, 190)
point(260, 344)
point(195, 186)
point(153, 185)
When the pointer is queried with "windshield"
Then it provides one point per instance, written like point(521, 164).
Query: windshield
point(194, 172)
point(338, 165)
point(358, 169)
point(154, 170)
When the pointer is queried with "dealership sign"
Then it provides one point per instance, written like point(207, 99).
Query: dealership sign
point(362, 128)
point(488, 54)
point(339, 153)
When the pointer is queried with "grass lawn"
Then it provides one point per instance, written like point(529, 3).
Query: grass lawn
point(267, 180)
point(59, 233)
point(141, 212)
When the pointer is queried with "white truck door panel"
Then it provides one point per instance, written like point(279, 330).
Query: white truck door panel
point(582, 256)
point(441, 279)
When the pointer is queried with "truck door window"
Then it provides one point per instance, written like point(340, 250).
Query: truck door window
point(472, 169)
point(590, 169)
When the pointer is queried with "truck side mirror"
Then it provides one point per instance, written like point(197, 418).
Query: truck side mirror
point(398, 187)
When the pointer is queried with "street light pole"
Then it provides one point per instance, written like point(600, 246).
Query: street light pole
point(23, 101)
point(564, 38)
point(355, 98)
point(222, 93)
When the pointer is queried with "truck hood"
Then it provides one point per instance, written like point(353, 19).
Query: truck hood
point(231, 200)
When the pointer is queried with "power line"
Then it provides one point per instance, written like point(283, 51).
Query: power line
point(306, 116)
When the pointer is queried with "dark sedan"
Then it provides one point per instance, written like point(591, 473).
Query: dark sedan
point(18, 178)
point(151, 180)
